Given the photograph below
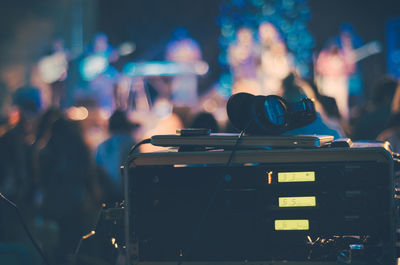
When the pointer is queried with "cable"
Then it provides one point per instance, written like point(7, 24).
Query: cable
point(219, 184)
point(237, 143)
point(90, 234)
point(145, 141)
point(26, 228)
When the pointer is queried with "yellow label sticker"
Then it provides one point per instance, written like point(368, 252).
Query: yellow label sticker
point(302, 224)
point(306, 201)
point(307, 176)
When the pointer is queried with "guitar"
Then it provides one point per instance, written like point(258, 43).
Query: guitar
point(96, 64)
point(54, 67)
point(367, 50)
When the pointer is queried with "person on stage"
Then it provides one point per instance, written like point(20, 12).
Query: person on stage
point(275, 60)
point(52, 70)
point(183, 49)
point(243, 57)
point(100, 76)
point(349, 39)
point(334, 66)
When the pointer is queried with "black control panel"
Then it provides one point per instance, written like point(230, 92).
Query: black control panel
point(331, 211)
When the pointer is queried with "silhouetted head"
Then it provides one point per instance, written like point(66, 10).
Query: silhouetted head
point(205, 120)
point(384, 90)
point(119, 123)
point(28, 100)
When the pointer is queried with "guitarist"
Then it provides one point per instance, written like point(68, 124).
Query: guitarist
point(100, 76)
point(334, 66)
point(53, 72)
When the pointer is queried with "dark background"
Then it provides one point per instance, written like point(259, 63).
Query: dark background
point(27, 27)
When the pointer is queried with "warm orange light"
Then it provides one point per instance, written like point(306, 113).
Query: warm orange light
point(77, 113)
point(89, 235)
point(14, 118)
point(269, 177)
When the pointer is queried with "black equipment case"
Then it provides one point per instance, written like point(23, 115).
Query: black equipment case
point(281, 206)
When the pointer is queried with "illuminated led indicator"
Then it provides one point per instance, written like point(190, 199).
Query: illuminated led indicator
point(307, 176)
point(307, 201)
point(269, 177)
point(302, 224)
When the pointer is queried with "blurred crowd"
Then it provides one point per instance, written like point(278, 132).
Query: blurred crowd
point(51, 169)
point(60, 164)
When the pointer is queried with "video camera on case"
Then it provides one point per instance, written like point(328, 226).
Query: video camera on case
point(261, 199)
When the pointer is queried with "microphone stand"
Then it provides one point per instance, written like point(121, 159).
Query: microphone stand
point(25, 228)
